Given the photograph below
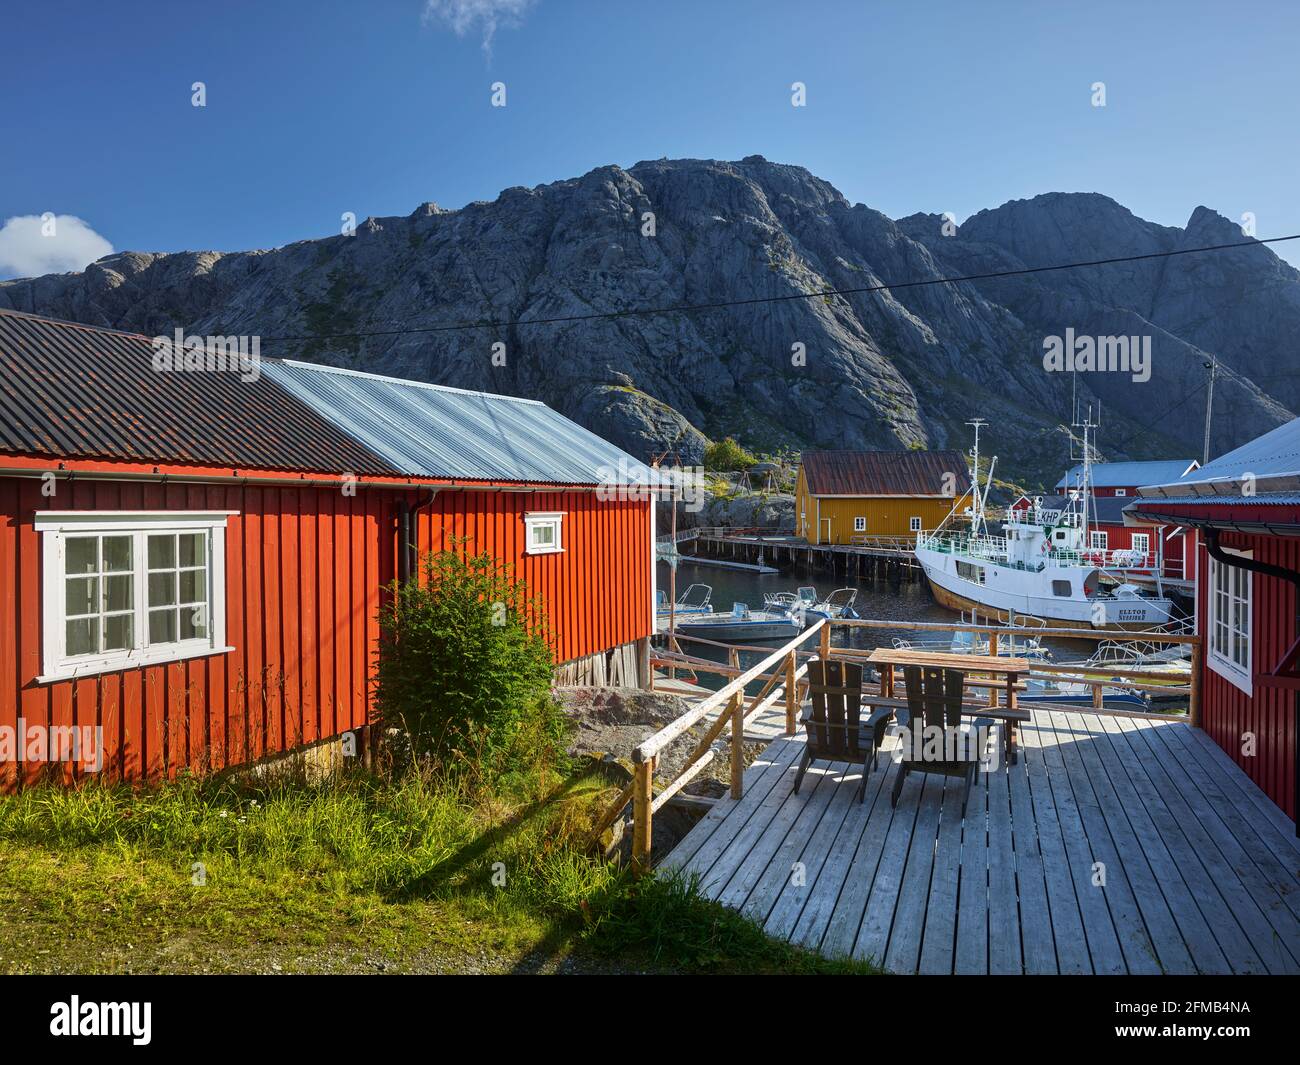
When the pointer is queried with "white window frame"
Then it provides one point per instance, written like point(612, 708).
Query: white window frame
point(1145, 550)
point(860, 523)
point(914, 523)
point(56, 526)
point(553, 519)
point(1121, 491)
point(1093, 535)
point(1224, 665)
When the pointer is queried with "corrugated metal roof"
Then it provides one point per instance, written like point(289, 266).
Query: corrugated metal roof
point(885, 473)
point(1275, 454)
point(77, 391)
point(433, 431)
point(1128, 474)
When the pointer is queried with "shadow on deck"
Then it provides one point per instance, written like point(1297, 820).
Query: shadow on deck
point(1114, 845)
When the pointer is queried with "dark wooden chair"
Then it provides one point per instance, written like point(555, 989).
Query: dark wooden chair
point(833, 721)
point(934, 700)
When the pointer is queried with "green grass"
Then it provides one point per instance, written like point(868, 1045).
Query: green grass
point(360, 874)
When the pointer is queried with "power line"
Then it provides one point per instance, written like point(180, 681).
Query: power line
point(696, 308)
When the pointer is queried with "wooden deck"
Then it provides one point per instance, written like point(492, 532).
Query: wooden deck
point(1198, 869)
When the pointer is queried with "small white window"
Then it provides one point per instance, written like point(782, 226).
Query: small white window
point(545, 533)
point(1097, 539)
point(122, 590)
point(1228, 623)
point(1121, 491)
point(859, 524)
point(914, 524)
point(1142, 544)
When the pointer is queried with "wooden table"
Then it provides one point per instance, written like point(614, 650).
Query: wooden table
point(1009, 670)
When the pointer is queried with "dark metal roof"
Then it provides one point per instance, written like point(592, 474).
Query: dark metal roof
point(1268, 512)
point(886, 473)
point(76, 391)
point(1106, 510)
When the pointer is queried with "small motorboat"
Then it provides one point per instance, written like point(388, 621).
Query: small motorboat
point(695, 600)
point(839, 604)
point(1076, 693)
point(804, 598)
point(742, 624)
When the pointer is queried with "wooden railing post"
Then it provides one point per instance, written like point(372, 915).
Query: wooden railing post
point(1194, 699)
point(738, 745)
point(791, 696)
point(642, 828)
point(826, 641)
point(993, 650)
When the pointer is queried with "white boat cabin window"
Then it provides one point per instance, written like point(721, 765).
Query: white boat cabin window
point(545, 533)
point(1062, 588)
point(859, 524)
point(1097, 539)
point(1228, 623)
point(914, 523)
point(968, 571)
point(123, 590)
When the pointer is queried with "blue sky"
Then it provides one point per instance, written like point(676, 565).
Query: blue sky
point(318, 108)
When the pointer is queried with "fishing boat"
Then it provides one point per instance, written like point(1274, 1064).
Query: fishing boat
point(742, 624)
point(695, 600)
point(1040, 565)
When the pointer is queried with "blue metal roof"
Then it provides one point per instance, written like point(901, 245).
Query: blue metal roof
point(1276, 499)
point(1275, 454)
point(432, 431)
point(1129, 474)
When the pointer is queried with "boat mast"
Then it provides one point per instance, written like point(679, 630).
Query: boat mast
point(977, 502)
point(1085, 486)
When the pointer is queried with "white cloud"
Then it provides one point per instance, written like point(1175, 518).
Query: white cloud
point(31, 245)
point(487, 16)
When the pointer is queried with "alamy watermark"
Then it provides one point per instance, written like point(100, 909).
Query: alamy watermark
point(82, 745)
point(1084, 353)
point(208, 354)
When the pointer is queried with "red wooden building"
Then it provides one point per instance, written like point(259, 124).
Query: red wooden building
point(1246, 507)
point(1139, 549)
point(192, 560)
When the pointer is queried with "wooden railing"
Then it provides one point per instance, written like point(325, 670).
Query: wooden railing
point(734, 707)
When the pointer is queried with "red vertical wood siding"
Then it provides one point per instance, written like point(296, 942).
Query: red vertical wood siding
point(305, 573)
point(1269, 713)
point(596, 593)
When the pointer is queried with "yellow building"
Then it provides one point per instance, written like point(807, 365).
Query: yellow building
point(846, 497)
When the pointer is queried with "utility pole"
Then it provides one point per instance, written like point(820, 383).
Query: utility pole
point(1212, 366)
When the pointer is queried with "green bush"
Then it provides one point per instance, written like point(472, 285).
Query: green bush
point(727, 455)
point(464, 669)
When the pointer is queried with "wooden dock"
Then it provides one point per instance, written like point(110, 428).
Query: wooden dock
point(1114, 845)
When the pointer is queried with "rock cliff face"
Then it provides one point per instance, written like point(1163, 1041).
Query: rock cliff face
point(904, 367)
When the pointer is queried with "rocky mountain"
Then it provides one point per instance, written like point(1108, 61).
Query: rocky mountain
point(901, 367)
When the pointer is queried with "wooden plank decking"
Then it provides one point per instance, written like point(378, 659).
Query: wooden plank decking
point(1114, 845)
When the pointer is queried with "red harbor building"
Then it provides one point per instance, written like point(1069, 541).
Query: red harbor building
point(192, 562)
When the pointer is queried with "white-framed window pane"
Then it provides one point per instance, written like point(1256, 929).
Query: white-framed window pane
point(123, 589)
point(83, 636)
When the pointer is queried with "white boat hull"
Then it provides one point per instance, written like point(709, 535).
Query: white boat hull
point(1007, 590)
